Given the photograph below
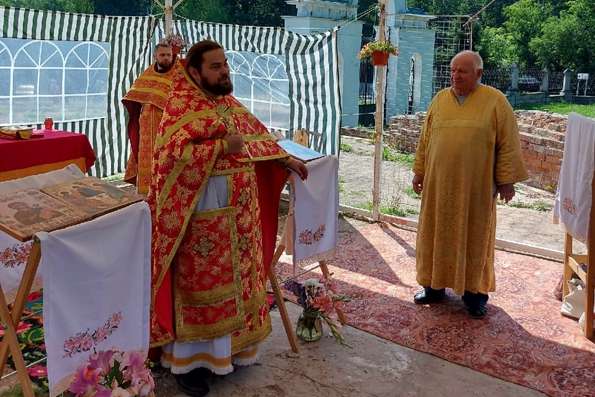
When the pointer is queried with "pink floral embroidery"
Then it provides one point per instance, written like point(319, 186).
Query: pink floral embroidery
point(307, 237)
point(319, 234)
point(84, 341)
point(15, 255)
point(569, 206)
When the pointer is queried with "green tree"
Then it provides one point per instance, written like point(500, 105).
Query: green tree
point(496, 47)
point(84, 6)
point(568, 41)
point(524, 21)
point(261, 12)
point(118, 7)
point(241, 12)
point(205, 10)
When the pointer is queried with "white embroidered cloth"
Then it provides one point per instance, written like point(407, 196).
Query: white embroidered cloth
point(97, 281)
point(573, 198)
point(13, 253)
point(316, 205)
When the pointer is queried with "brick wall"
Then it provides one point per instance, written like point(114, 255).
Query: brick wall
point(358, 132)
point(542, 142)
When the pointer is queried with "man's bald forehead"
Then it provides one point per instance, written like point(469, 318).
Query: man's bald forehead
point(469, 56)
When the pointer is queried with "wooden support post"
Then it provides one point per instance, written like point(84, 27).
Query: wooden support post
point(567, 270)
point(279, 296)
point(12, 343)
point(590, 282)
point(169, 17)
point(379, 120)
point(12, 318)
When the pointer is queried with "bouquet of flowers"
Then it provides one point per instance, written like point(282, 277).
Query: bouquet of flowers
point(113, 373)
point(319, 299)
point(377, 46)
point(176, 41)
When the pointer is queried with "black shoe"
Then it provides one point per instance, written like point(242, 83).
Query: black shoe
point(194, 383)
point(429, 295)
point(157, 371)
point(478, 311)
point(476, 304)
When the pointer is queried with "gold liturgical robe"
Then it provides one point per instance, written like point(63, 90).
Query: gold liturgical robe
point(464, 151)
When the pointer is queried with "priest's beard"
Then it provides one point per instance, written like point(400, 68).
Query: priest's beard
point(163, 68)
point(223, 86)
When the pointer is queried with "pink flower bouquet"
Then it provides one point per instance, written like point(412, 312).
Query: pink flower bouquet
point(320, 300)
point(113, 374)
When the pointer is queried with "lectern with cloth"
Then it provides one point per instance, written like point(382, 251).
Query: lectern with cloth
point(311, 226)
point(575, 207)
point(78, 272)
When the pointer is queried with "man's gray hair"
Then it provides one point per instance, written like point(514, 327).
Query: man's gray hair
point(476, 57)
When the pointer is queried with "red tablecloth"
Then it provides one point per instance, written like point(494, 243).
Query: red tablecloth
point(53, 147)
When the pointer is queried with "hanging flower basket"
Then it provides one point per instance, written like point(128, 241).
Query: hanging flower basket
point(380, 58)
point(379, 51)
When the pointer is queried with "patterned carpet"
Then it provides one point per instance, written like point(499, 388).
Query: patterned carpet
point(523, 340)
point(30, 337)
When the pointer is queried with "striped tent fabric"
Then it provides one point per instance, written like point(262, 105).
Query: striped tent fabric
point(128, 37)
point(311, 62)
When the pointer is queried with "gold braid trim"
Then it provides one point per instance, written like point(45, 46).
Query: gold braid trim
point(170, 181)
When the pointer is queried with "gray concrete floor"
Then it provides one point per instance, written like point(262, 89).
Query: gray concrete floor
point(373, 367)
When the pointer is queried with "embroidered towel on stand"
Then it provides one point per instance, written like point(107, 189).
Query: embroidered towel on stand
point(573, 197)
point(316, 205)
point(14, 253)
point(96, 289)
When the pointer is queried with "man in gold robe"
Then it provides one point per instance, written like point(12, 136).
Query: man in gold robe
point(217, 179)
point(468, 153)
point(145, 102)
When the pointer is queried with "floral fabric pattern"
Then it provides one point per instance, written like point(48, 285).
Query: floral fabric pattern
point(15, 255)
point(87, 340)
point(308, 237)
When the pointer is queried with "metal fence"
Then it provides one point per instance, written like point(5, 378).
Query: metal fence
point(531, 80)
point(497, 77)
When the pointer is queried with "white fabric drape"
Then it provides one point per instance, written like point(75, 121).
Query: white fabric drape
point(97, 281)
point(573, 198)
point(316, 206)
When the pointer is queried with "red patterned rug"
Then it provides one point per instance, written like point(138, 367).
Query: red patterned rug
point(523, 339)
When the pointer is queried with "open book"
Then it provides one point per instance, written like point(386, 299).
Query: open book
point(27, 212)
point(298, 151)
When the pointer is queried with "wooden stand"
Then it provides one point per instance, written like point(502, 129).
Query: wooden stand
point(11, 319)
point(572, 265)
point(277, 289)
point(26, 232)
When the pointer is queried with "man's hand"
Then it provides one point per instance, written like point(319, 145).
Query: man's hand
point(418, 183)
point(235, 143)
point(506, 192)
point(298, 167)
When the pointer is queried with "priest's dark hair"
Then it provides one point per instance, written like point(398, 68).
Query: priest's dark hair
point(195, 54)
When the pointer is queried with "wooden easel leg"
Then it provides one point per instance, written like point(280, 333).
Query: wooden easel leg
point(281, 301)
point(11, 341)
point(591, 265)
point(567, 270)
point(589, 313)
point(327, 275)
point(22, 293)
